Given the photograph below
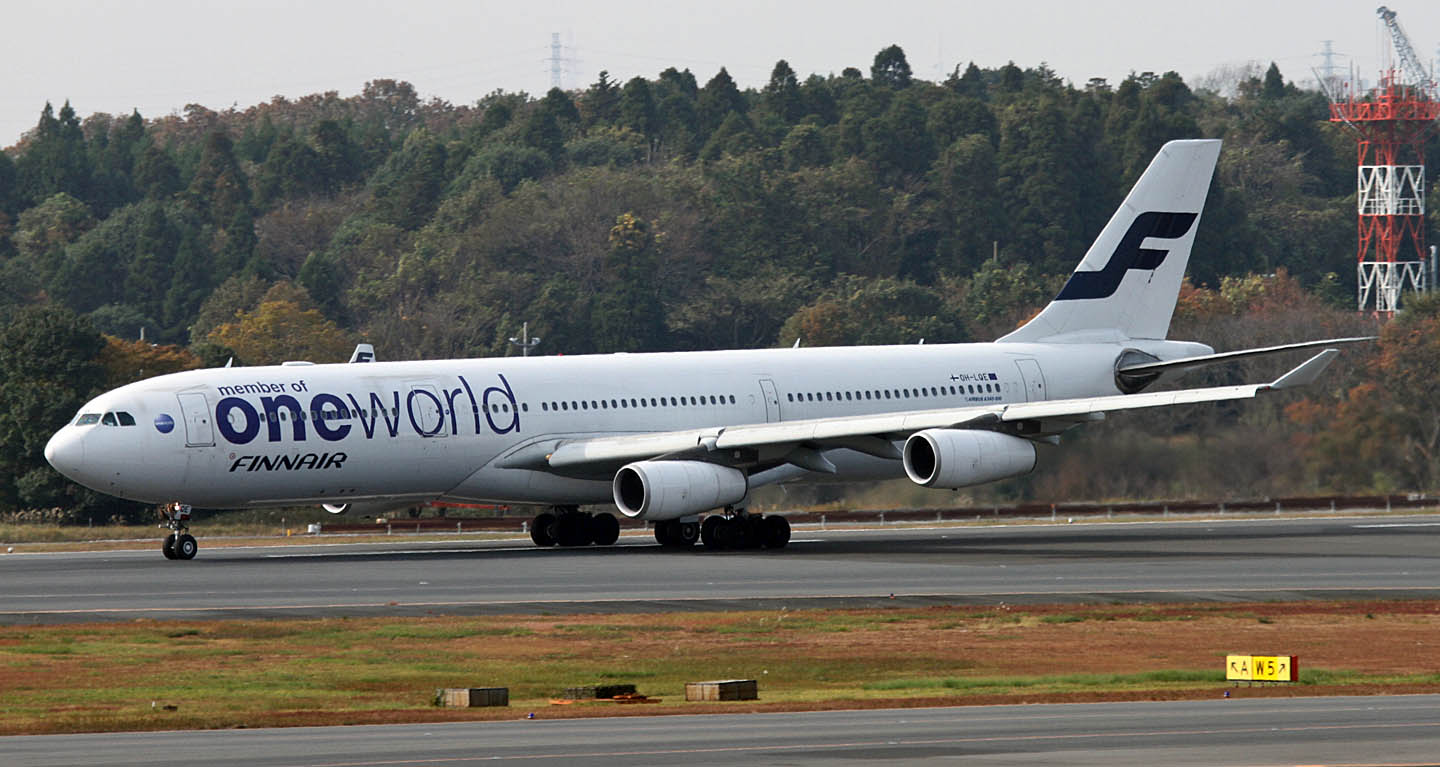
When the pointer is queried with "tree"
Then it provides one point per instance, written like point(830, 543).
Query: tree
point(56, 160)
point(897, 141)
point(128, 361)
point(637, 110)
point(340, 159)
point(47, 371)
point(601, 101)
point(890, 68)
point(156, 175)
point(781, 95)
point(883, 311)
point(1274, 85)
point(718, 99)
point(804, 147)
point(279, 330)
point(627, 315)
point(408, 186)
point(219, 187)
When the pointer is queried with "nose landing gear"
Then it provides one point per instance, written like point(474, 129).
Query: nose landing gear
point(179, 544)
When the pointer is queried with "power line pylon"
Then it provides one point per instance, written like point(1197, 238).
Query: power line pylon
point(1391, 121)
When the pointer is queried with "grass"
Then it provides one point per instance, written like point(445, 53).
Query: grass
point(317, 671)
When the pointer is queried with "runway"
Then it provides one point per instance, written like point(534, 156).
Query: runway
point(1247, 559)
point(1393, 730)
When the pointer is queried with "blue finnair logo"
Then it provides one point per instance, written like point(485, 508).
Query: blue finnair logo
point(1129, 255)
point(164, 423)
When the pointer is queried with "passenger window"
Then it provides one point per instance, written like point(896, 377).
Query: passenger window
point(108, 420)
point(125, 418)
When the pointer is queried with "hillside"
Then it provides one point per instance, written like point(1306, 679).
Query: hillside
point(657, 214)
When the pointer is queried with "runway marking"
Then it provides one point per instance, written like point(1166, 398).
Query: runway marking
point(1401, 524)
point(600, 603)
point(880, 743)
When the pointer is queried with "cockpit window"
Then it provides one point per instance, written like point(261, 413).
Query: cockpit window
point(88, 419)
point(108, 420)
point(125, 418)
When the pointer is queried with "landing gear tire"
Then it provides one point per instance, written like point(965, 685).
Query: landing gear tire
point(710, 532)
point(541, 530)
point(777, 532)
point(186, 546)
point(572, 529)
point(168, 547)
point(604, 529)
point(673, 533)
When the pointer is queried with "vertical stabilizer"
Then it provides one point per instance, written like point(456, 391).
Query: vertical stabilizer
point(1126, 285)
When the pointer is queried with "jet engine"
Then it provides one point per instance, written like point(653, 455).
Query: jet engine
point(952, 458)
point(661, 490)
point(369, 508)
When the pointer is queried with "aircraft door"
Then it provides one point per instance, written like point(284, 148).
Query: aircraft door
point(772, 400)
point(199, 432)
point(426, 410)
point(1033, 378)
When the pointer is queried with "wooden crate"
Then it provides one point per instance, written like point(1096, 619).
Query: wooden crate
point(728, 689)
point(588, 692)
point(472, 697)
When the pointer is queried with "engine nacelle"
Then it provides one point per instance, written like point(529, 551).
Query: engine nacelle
point(368, 508)
point(661, 490)
point(952, 458)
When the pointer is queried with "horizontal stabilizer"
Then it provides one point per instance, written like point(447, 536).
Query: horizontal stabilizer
point(1188, 363)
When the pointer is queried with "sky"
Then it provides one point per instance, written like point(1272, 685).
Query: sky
point(159, 55)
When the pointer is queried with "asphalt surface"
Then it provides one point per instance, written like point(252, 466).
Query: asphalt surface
point(1392, 730)
point(1249, 559)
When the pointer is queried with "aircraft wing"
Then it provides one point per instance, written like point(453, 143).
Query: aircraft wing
point(873, 434)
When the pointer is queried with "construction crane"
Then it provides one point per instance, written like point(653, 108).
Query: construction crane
point(1413, 72)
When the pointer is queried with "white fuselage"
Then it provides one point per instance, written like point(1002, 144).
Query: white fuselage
point(249, 436)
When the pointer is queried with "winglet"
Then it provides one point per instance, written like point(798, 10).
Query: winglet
point(363, 353)
point(1307, 372)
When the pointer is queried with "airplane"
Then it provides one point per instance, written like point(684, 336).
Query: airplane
point(677, 439)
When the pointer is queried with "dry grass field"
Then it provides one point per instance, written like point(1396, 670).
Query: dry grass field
point(176, 674)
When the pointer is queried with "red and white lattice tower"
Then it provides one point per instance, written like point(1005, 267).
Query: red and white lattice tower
point(1392, 121)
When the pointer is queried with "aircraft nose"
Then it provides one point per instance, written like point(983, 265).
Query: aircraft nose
point(66, 452)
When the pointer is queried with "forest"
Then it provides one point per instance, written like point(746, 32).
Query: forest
point(865, 207)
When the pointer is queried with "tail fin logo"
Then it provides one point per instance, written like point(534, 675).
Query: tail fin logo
point(1129, 255)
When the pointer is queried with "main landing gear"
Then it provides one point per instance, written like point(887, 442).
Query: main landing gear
point(568, 526)
point(179, 544)
point(739, 529)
